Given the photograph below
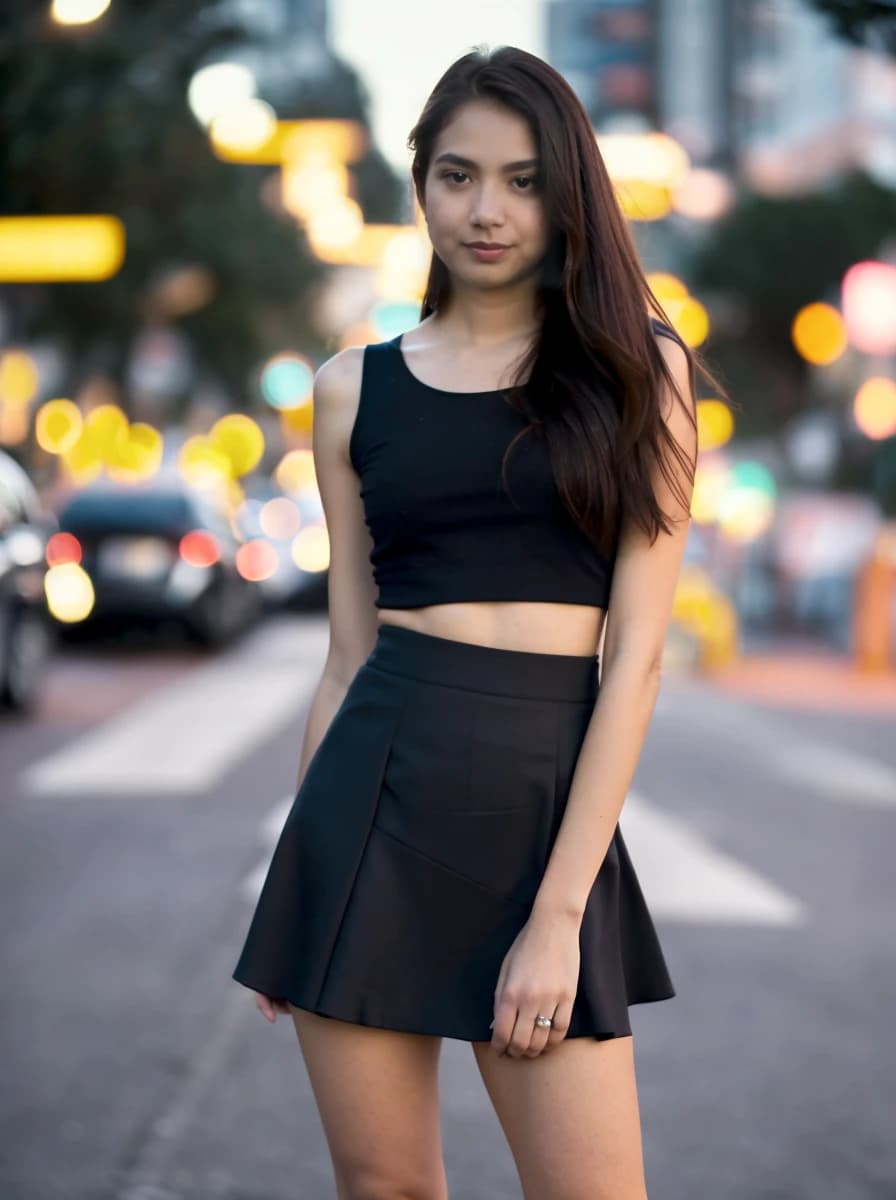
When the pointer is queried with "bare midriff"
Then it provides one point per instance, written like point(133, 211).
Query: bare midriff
point(543, 628)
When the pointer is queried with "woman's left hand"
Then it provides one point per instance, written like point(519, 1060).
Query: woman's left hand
point(539, 974)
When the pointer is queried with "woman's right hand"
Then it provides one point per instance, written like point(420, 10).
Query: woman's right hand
point(269, 1006)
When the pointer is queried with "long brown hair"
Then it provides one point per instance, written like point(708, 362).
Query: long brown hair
point(593, 374)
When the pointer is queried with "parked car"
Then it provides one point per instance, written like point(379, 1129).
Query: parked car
point(26, 631)
point(161, 550)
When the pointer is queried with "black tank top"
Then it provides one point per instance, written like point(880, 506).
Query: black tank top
point(443, 528)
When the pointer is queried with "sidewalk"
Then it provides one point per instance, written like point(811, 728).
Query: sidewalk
point(794, 673)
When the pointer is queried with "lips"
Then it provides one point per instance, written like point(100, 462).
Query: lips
point(488, 245)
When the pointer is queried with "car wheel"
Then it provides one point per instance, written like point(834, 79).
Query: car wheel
point(27, 653)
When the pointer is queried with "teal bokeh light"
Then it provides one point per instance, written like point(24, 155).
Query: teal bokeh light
point(286, 381)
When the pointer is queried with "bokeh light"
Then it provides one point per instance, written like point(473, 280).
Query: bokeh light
point(874, 407)
point(63, 547)
point(240, 440)
point(77, 12)
point(311, 548)
point(286, 381)
point(58, 425)
point(819, 333)
point(256, 560)
point(280, 518)
point(199, 548)
point(217, 87)
point(295, 471)
point(869, 306)
point(69, 592)
point(244, 127)
point(715, 424)
point(60, 248)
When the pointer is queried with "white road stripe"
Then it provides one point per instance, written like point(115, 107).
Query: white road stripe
point(838, 775)
point(818, 768)
point(270, 830)
point(185, 737)
point(683, 877)
point(686, 879)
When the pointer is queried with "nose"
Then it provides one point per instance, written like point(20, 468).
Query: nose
point(486, 206)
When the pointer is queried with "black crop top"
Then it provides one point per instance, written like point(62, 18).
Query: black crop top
point(443, 528)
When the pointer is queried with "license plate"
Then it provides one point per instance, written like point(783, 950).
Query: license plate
point(135, 557)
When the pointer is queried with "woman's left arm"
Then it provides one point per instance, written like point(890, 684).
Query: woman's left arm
point(539, 973)
point(640, 607)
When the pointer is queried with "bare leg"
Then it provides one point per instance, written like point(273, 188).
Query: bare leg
point(377, 1093)
point(571, 1118)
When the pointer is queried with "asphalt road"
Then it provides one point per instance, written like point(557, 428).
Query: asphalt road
point(140, 807)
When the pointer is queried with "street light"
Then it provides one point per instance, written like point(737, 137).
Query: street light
point(77, 12)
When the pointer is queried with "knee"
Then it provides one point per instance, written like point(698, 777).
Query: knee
point(372, 1183)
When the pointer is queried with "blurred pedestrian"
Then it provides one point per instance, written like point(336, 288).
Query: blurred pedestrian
point(495, 481)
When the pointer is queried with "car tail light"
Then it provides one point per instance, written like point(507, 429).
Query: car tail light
point(199, 548)
point(63, 548)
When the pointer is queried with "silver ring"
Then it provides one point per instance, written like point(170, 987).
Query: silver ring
point(544, 1022)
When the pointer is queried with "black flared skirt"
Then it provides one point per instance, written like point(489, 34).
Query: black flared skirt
point(418, 838)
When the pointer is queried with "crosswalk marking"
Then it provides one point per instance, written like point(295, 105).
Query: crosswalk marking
point(819, 769)
point(839, 775)
point(686, 879)
point(270, 828)
point(185, 737)
point(683, 877)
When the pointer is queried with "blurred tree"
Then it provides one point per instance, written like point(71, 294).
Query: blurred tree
point(869, 23)
point(772, 256)
point(95, 119)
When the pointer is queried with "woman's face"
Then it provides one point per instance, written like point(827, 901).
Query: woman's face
point(484, 185)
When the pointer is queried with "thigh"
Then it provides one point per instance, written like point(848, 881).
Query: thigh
point(571, 1118)
point(377, 1094)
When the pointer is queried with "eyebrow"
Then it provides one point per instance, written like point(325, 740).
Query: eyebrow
point(520, 165)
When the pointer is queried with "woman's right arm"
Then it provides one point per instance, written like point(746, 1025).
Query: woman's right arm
point(351, 591)
point(350, 588)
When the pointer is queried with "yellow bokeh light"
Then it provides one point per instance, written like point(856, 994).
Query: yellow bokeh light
point(139, 456)
point(295, 471)
point(202, 463)
point(874, 407)
point(82, 460)
point(69, 592)
point(107, 428)
point(715, 424)
point(77, 12)
point(819, 333)
point(642, 201)
point(240, 440)
point(336, 227)
point(58, 425)
point(247, 126)
point(307, 188)
point(18, 377)
point(57, 249)
point(691, 320)
point(311, 548)
point(711, 480)
point(666, 286)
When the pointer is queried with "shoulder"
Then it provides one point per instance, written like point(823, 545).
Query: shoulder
point(337, 381)
point(678, 359)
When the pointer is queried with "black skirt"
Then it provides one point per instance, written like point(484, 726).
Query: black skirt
point(417, 841)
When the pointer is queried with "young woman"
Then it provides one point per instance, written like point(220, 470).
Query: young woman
point(495, 480)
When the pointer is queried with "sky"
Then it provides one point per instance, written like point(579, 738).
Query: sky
point(400, 48)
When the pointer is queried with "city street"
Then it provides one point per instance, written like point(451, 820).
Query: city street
point(141, 805)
